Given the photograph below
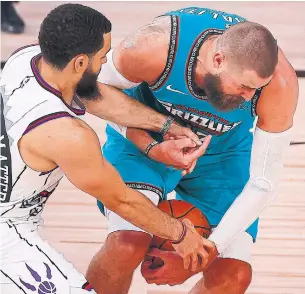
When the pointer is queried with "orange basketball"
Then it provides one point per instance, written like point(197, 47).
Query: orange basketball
point(180, 210)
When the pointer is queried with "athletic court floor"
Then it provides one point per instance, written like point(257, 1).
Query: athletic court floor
point(73, 223)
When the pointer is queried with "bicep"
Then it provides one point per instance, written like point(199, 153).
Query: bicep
point(93, 174)
point(135, 57)
point(84, 165)
point(126, 64)
point(127, 61)
point(277, 105)
point(275, 116)
point(134, 60)
point(75, 148)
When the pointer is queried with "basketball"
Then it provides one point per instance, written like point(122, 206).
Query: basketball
point(180, 210)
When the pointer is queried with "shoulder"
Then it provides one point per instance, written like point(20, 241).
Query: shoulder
point(60, 133)
point(17, 70)
point(159, 28)
point(31, 48)
point(142, 55)
point(279, 98)
point(284, 79)
point(21, 58)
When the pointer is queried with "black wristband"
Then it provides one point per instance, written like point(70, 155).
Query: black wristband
point(169, 121)
point(151, 145)
point(182, 236)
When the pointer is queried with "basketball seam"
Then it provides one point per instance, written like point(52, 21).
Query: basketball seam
point(186, 212)
point(171, 208)
point(160, 248)
point(162, 244)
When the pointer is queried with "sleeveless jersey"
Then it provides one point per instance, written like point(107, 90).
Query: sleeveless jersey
point(176, 91)
point(26, 102)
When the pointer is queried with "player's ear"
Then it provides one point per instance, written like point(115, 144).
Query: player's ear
point(81, 63)
point(218, 60)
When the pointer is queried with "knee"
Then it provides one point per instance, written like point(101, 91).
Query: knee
point(129, 247)
point(244, 275)
point(229, 274)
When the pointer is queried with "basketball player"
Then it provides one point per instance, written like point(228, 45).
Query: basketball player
point(43, 139)
point(214, 72)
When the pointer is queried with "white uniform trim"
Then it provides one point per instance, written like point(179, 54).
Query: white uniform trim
point(116, 223)
point(266, 165)
point(111, 76)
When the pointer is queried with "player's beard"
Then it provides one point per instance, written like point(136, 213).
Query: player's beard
point(87, 86)
point(216, 96)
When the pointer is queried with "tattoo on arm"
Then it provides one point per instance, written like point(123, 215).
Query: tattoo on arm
point(160, 25)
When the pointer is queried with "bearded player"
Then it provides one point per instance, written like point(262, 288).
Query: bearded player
point(43, 138)
point(215, 73)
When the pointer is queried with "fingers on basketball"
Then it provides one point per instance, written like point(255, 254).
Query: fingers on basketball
point(184, 211)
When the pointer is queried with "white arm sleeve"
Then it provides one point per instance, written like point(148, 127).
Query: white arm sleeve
point(265, 170)
point(111, 76)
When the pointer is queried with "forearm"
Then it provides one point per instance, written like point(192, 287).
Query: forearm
point(240, 215)
point(92, 173)
point(116, 106)
point(140, 211)
point(142, 140)
point(139, 137)
point(265, 170)
point(107, 186)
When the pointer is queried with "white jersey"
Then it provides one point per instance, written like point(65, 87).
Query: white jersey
point(27, 102)
point(27, 263)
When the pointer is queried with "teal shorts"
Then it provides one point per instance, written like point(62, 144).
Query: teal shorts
point(212, 187)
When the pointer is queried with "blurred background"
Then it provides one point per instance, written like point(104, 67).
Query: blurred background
point(285, 19)
point(73, 224)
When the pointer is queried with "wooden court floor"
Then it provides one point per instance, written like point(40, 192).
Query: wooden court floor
point(73, 224)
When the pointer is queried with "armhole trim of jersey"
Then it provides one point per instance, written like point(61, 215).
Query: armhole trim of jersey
point(254, 101)
point(191, 60)
point(173, 45)
point(45, 119)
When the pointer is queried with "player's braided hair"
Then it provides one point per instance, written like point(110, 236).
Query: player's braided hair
point(69, 30)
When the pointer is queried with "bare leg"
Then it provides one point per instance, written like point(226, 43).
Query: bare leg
point(111, 269)
point(225, 276)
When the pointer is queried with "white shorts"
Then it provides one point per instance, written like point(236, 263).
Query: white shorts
point(29, 265)
point(239, 249)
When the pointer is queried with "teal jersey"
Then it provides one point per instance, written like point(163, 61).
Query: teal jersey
point(221, 174)
point(176, 91)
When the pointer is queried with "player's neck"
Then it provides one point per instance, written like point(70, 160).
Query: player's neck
point(56, 79)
